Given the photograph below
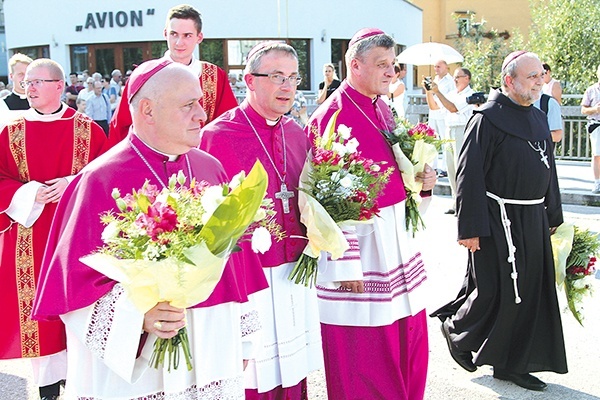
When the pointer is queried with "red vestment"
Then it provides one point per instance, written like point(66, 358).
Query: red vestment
point(35, 148)
point(217, 98)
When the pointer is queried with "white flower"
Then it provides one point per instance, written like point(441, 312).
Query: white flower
point(339, 148)
point(115, 193)
point(344, 131)
point(237, 180)
point(210, 200)
point(352, 145)
point(347, 181)
point(152, 252)
point(110, 232)
point(261, 240)
point(375, 168)
point(163, 197)
point(261, 213)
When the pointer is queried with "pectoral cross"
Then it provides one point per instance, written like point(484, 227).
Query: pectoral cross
point(544, 158)
point(284, 195)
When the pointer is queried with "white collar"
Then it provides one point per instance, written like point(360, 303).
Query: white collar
point(195, 65)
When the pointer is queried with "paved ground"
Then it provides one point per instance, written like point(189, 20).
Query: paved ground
point(446, 263)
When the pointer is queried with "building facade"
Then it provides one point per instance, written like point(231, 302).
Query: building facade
point(100, 36)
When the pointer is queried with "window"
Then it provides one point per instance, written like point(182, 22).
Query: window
point(231, 54)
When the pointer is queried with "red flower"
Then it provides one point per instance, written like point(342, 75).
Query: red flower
point(160, 218)
point(368, 213)
point(360, 197)
point(326, 156)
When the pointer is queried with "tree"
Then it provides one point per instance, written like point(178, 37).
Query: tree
point(565, 35)
point(484, 52)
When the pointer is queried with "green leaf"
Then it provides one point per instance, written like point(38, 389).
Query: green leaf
point(231, 219)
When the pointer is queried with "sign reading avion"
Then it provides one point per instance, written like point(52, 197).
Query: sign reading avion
point(112, 19)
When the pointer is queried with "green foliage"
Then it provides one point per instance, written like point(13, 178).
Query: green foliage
point(484, 52)
point(565, 35)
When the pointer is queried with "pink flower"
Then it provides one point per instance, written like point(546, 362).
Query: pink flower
point(150, 191)
point(422, 129)
point(199, 188)
point(129, 201)
point(160, 218)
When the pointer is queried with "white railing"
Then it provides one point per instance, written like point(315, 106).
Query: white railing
point(575, 144)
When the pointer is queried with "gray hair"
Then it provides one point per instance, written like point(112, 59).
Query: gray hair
point(254, 61)
point(360, 48)
point(511, 67)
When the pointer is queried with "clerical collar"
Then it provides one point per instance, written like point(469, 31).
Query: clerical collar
point(21, 96)
point(270, 122)
point(373, 99)
point(54, 112)
point(170, 157)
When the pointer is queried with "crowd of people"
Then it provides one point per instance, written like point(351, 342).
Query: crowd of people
point(259, 335)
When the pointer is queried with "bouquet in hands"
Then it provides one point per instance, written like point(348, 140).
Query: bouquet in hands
point(172, 244)
point(575, 253)
point(413, 147)
point(338, 186)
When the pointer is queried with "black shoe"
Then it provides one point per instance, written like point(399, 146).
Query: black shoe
point(462, 358)
point(526, 381)
point(450, 211)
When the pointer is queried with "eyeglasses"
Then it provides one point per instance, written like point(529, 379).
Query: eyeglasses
point(79, 81)
point(280, 79)
point(36, 82)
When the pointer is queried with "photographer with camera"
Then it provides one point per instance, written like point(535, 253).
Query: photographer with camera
point(458, 105)
point(437, 116)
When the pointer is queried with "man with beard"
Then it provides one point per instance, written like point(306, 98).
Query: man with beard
point(508, 204)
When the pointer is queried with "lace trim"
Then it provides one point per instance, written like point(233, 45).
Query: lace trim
point(250, 323)
point(226, 389)
point(101, 321)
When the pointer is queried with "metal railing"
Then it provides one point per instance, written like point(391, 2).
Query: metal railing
point(575, 144)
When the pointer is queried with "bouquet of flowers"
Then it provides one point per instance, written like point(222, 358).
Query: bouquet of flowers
point(337, 186)
point(575, 253)
point(172, 244)
point(413, 147)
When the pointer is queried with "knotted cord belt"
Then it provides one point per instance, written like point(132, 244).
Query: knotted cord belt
point(507, 233)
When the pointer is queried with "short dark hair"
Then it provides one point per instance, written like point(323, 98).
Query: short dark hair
point(466, 72)
point(73, 73)
point(185, 11)
point(399, 68)
point(546, 67)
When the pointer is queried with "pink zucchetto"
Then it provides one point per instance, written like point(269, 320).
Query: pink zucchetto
point(262, 45)
point(365, 33)
point(144, 72)
point(512, 57)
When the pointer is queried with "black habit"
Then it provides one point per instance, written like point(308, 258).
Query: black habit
point(498, 156)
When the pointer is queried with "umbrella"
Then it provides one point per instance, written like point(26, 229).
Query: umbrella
point(428, 54)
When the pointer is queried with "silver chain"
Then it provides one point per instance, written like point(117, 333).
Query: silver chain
point(265, 148)
point(363, 113)
point(152, 169)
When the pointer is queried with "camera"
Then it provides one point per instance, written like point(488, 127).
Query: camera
point(476, 98)
point(427, 82)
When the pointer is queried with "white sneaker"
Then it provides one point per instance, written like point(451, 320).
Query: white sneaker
point(596, 189)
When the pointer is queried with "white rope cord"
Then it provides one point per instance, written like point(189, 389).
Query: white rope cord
point(507, 233)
